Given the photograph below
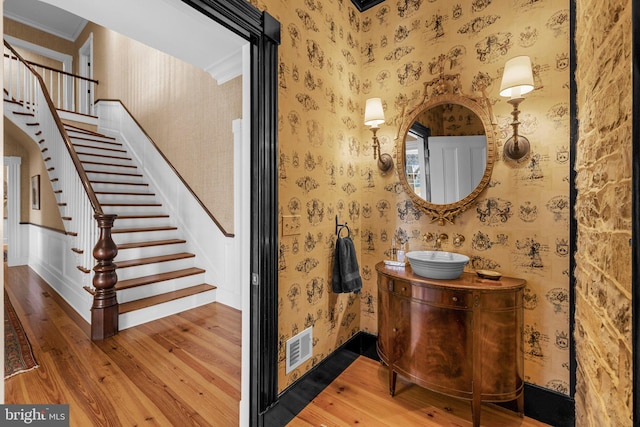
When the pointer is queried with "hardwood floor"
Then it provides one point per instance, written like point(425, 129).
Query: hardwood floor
point(360, 397)
point(185, 370)
point(178, 371)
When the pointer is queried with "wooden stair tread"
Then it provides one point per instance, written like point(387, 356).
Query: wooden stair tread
point(162, 298)
point(142, 229)
point(13, 101)
point(154, 259)
point(130, 204)
point(23, 113)
point(119, 183)
point(155, 278)
point(124, 193)
point(143, 216)
point(150, 243)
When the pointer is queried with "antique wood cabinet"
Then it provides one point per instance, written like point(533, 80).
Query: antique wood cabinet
point(460, 337)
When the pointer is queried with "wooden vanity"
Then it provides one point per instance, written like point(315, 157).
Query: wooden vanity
point(460, 337)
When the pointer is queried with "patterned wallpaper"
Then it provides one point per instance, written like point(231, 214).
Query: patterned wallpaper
point(332, 58)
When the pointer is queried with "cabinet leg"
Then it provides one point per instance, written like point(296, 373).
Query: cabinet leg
point(393, 376)
point(475, 410)
point(520, 404)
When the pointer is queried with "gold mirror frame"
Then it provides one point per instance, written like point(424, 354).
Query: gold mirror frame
point(445, 89)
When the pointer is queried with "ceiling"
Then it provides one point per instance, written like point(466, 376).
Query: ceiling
point(192, 37)
point(45, 17)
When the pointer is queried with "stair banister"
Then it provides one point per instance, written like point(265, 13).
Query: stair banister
point(74, 157)
point(104, 279)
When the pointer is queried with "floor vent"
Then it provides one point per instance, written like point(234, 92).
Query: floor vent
point(299, 349)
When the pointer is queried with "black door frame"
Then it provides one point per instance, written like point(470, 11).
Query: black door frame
point(263, 33)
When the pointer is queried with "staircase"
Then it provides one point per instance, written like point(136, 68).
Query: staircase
point(93, 173)
point(157, 275)
point(154, 266)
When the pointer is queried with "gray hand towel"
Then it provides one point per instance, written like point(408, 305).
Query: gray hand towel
point(346, 274)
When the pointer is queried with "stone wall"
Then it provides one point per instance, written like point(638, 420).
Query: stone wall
point(603, 212)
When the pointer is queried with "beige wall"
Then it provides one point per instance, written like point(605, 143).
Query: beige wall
point(331, 59)
point(17, 144)
point(603, 209)
point(182, 108)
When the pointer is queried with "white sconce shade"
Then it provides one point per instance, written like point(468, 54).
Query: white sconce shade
point(373, 112)
point(517, 78)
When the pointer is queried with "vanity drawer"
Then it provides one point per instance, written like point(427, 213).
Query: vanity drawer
point(400, 287)
point(444, 297)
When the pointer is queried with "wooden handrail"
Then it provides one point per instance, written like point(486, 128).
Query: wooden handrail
point(46, 67)
point(95, 204)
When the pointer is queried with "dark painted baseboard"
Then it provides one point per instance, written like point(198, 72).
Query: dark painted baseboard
point(549, 406)
point(540, 403)
point(292, 400)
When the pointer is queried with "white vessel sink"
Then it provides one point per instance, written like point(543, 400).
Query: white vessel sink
point(437, 264)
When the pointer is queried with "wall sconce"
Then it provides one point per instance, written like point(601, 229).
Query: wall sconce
point(517, 80)
point(374, 116)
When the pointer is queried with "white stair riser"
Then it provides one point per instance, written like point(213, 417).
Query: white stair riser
point(127, 198)
point(147, 236)
point(126, 187)
point(155, 268)
point(133, 210)
point(83, 138)
point(88, 158)
point(142, 222)
point(108, 168)
point(138, 317)
point(150, 251)
point(97, 176)
point(100, 148)
point(139, 292)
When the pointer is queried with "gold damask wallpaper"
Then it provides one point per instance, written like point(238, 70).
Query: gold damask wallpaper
point(332, 58)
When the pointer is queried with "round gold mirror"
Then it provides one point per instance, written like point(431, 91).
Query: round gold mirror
point(445, 155)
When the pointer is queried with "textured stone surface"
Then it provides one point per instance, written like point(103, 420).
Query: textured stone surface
point(603, 213)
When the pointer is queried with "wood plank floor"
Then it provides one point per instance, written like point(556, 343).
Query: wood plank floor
point(185, 370)
point(360, 397)
point(178, 371)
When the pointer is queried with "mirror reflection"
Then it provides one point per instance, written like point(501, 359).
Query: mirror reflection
point(445, 153)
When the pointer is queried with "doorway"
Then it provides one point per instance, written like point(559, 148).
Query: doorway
point(11, 219)
point(262, 35)
point(86, 90)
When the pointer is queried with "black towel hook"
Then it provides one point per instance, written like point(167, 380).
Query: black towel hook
point(339, 228)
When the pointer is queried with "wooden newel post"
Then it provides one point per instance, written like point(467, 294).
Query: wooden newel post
point(104, 311)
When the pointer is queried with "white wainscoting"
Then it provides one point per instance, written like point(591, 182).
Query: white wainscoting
point(50, 255)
